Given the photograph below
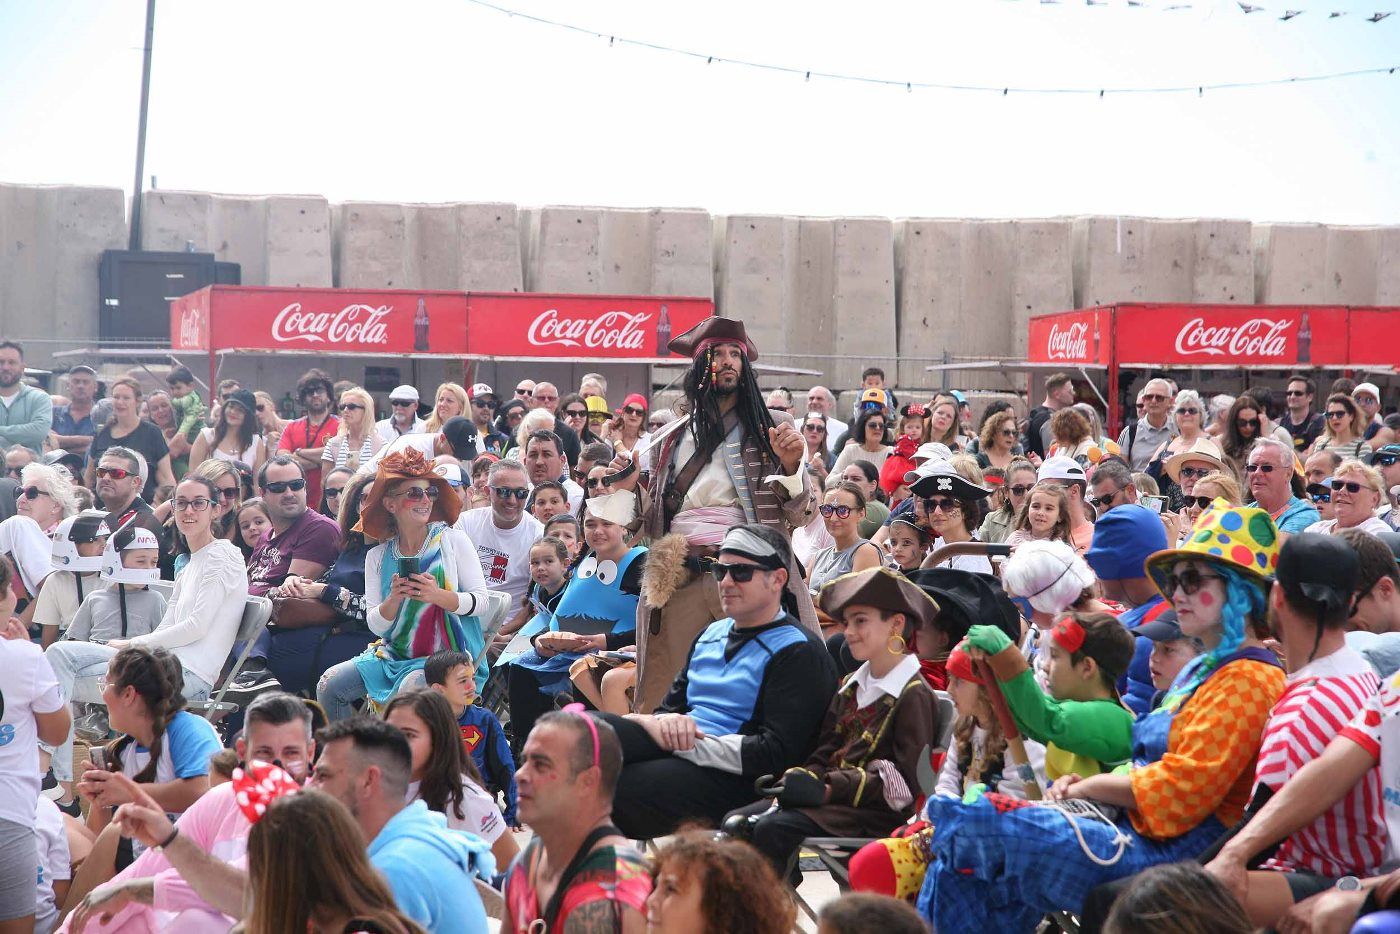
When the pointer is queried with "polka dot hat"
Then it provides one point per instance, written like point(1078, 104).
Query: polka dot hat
point(1243, 538)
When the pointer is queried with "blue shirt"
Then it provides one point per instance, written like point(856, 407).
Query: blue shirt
point(430, 870)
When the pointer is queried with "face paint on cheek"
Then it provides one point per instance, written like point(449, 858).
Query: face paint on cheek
point(1205, 598)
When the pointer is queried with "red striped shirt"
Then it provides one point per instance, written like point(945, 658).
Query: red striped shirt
point(1319, 701)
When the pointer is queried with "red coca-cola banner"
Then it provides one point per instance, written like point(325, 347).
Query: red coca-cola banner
point(319, 320)
point(1375, 335)
point(613, 327)
point(1074, 337)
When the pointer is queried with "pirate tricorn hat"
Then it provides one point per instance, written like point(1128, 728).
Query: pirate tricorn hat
point(713, 331)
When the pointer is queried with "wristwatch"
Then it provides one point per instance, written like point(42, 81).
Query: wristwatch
point(1348, 884)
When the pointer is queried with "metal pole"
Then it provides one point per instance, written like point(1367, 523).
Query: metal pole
point(135, 242)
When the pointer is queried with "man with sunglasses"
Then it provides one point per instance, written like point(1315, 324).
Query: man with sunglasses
point(1142, 437)
point(1112, 486)
point(749, 701)
point(305, 438)
point(484, 405)
point(504, 531)
point(1387, 461)
point(1300, 420)
point(120, 475)
point(1269, 475)
point(403, 415)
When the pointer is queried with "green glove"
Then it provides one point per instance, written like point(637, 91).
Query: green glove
point(989, 639)
point(975, 793)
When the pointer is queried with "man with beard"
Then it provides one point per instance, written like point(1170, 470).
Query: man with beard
point(26, 413)
point(735, 462)
point(306, 437)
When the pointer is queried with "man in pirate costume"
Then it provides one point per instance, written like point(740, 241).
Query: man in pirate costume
point(734, 462)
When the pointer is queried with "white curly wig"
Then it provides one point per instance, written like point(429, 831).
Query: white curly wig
point(1048, 574)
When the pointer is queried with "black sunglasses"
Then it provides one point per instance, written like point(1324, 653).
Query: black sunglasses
point(1188, 581)
point(1247, 423)
point(282, 486)
point(334, 491)
point(633, 410)
point(595, 483)
point(743, 573)
point(31, 492)
point(1021, 489)
point(485, 404)
point(575, 413)
point(227, 493)
point(1251, 468)
point(506, 492)
point(1321, 497)
point(936, 504)
point(1351, 486)
point(1196, 473)
point(1202, 502)
point(1337, 413)
point(351, 407)
point(1387, 459)
point(403, 403)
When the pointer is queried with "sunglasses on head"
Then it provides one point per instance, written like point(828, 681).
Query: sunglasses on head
point(841, 512)
point(742, 573)
point(416, 493)
point(32, 492)
point(506, 492)
point(1202, 502)
point(111, 473)
point(1351, 486)
point(1188, 581)
point(282, 486)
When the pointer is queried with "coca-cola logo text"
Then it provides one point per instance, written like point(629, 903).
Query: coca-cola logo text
point(190, 329)
point(1257, 337)
point(615, 330)
point(353, 324)
point(1070, 344)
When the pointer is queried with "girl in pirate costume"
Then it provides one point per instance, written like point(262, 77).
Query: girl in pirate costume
point(858, 780)
point(1000, 865)
point(423, 585)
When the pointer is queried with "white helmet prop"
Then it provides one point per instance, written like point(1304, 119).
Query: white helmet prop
point(87, 526)
point(125, 538)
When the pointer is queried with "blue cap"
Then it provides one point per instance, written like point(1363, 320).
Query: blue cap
point(1124, 537)
point(957, 394)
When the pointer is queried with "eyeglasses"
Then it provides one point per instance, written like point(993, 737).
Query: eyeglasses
point(334, 491)
point(112, 473)
point(485, 404)
point(1021, 489)
point(742, 573)
point(540, 398)
point(1351, 486)
point(282, 486)
point(417, 493)
point(1188, 581)
point(575, 413)
point(1295, 392)
point(351, 407)
point(1337, 413)
point(939, 504)
point(633, 410)
point(1321, 497)
point(103, 683)
point(1193, 473)
point(1188, 411)
point(841, 512)
point(1200, 502)
point(1247, 423)
point(1251, 468)
point(32, 492)
point(228, 492)
point(506, 492)
point(403, 403)
point(184, 505)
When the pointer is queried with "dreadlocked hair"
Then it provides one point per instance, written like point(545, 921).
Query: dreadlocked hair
point(156, 675)
point(707, 421)
point(979, 765)
point(448, 762)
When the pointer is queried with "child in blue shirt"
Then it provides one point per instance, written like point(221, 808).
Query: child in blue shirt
point(452, 674)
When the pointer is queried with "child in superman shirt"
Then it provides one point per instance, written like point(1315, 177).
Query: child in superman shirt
point(452, 674)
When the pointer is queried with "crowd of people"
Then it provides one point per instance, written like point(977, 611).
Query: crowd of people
point(1045, 674)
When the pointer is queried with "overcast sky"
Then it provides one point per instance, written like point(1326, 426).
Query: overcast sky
point(443, 100)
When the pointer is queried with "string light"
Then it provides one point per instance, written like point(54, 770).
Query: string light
point(808, 73)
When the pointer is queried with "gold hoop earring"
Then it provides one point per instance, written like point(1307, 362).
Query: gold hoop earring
point(903, 646)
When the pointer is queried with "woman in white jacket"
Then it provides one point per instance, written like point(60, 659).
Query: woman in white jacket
point(423, 586)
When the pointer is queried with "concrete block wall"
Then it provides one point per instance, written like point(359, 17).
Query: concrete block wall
point(831, 294)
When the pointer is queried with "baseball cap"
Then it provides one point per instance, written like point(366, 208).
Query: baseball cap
point(1324, 568)
point(876, 396)
point(449, 472)
point(1060, 467)
point(957, 394)
point(635, 398)
point(1367, 388)
point(404, 394)
point(481, 389)
point(1165, 628)
point(84, 368)
point(460, 432)
point(1387, 455)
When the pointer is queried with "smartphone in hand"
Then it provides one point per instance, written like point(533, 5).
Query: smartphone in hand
point(408, 566)
point(98, 755)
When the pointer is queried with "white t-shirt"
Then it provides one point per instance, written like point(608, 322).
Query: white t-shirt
point(58, 602)
point(386, 430)
point(482, 818)
point(505, 553)
point(54, 862)
point(28, 685)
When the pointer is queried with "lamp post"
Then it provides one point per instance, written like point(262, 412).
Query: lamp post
point(135, 242)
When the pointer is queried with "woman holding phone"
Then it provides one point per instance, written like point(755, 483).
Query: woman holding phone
point(423, 586)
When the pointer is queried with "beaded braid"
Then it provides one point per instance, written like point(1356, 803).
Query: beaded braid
point(157, 676)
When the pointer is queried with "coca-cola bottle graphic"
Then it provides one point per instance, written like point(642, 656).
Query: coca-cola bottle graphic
point(1304, 340)
point(1095, 357)
point(663, 333)
point(420, 326)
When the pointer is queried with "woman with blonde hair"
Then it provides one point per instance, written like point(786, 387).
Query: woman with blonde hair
point(1217, 485)
point(943, 424)
point(45, 495)
point(355, 442)
point(449, 400)
point(269, 422)
point(295, 887)
point(1357, 491)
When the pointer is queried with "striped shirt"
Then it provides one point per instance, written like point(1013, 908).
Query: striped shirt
point(1319, 701)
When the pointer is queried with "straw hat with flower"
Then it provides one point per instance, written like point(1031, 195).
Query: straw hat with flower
point(375, 520)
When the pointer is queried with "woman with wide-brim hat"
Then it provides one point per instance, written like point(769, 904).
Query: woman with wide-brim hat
point(410, 510)
point(1193, 756)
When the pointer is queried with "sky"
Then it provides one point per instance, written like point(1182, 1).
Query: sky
point(446, 100)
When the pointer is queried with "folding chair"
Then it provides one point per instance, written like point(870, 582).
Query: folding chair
point(493, 615)
point(256, 612)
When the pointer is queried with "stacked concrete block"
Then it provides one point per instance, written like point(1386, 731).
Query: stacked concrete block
point(1388, 266)
point(428, 246)
point(755, 255)
point(51, 243)
point(1044, 274)
point(1349, 277)
point(275, 239)
point(863, 299)
point(1222, 269)
point(1289, 263)
point(372, 247)
point(619, 252)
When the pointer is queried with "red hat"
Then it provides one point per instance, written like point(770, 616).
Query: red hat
point(635, 398)
point(960, 666)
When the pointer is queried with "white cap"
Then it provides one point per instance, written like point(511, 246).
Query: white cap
point(1060, 467)
point(1367, 388)
point(405, 393)
point(931, 450)
point(117, 573)
point(481, 389)
point(449, 472)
